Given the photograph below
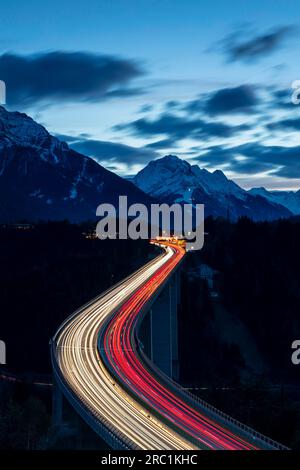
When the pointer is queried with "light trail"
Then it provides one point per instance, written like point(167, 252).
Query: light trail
point(97, 355)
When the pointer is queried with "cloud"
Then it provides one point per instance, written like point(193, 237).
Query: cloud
point(238, 48)
point(162, 144)
point(125, 92)
point(177, 127)
point(197, 105)
point(292, 124)
point(172, 105)
point(104, 151)
point(230, 100)
point(241, 99)
point(282, 99)
point(71, 138)
point(146, 108)
point(67, 76)
point(256, 158)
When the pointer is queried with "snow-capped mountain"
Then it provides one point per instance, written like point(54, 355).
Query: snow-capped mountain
point(42, 178)
point(288, 199)
point(171, 179)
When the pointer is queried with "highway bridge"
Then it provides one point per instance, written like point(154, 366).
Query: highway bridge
point(100, 366)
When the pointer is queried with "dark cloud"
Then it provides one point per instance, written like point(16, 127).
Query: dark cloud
point(146, 108)
point(113, 152)
point(283, 161)
point(162, 144)
point(236, 47)
point(215, 156)
point(282, 94)
point(241, 99)
point(282, 99)
point(66, 76)
point(72, 138)
point(125, 92)
point(177, 127)
point(292, 124)
point(231, 100)
point(172, 105)
point(112, 168)
point(197, 105)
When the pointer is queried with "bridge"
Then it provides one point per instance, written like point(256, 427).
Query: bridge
point(123, 388)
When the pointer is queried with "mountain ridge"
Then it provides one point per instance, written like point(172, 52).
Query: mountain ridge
point(288, 199)
point(171, 179)
point(41, 178)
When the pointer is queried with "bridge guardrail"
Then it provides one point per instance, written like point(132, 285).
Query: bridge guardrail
point(98, 423)
point(182, 391)
point(211, 408)
point(101, 427)
point(112, 436)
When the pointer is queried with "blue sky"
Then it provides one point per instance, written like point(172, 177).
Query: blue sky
point(126, 81)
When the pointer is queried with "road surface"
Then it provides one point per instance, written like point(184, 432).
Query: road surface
point(99, 358)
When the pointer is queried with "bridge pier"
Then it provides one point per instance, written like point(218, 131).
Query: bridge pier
point(69, 427)
point(163, 326)
point(57, 405)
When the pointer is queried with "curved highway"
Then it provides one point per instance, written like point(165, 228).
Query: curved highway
point(98, 360)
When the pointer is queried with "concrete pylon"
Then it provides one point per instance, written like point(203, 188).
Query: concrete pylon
point(57, 405)
point(164, 329)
